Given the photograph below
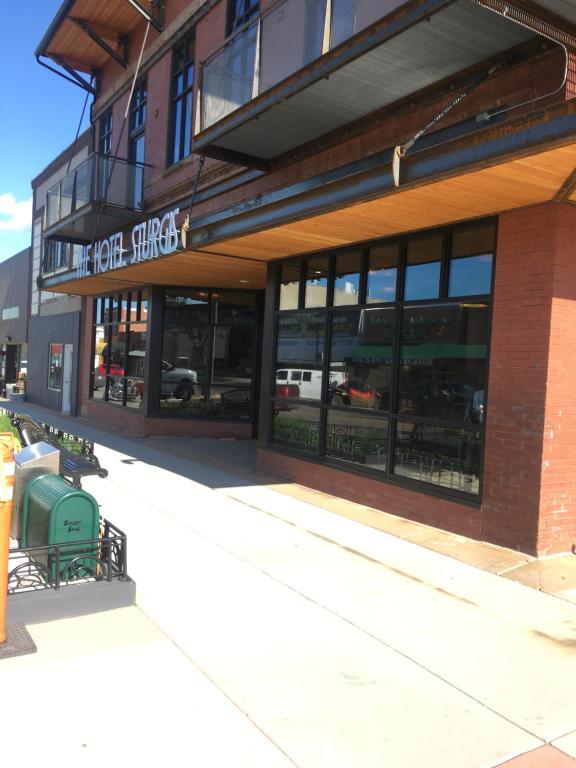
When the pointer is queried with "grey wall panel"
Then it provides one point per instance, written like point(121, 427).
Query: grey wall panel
point(15, 292)
point(57, 329)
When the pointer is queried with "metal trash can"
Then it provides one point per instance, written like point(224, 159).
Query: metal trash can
point(32, 461)
point(54, 512)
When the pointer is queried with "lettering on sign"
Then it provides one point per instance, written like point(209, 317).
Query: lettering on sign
point(151, 239)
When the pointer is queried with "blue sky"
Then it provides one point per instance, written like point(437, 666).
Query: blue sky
point(39, 116)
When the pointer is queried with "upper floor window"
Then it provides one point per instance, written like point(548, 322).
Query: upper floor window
point(105, 142)
point(138, 106)
point(240, 12)
point(182, 101)
point(56, 255)
point(137, 140)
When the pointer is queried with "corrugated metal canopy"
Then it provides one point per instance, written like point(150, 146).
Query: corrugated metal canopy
point(65, 41)
point(452, 40)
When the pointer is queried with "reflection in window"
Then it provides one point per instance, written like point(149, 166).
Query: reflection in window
point(361, 358)
point(99, 370)
point(473, 241)
point(299, 353)
point(55, 367)
point(347, 278)
point(470, 276)
point(296, 426)
point(357, 439)
point(208, 354)
point(119, 343)
point(423, 382)
point(422, 277)
point(317, 271)
point(445, 456)
point(443, 361)
point(382, 274)
point(289, 286)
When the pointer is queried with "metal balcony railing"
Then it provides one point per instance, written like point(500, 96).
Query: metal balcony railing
point(99, 179)
point(286, 37)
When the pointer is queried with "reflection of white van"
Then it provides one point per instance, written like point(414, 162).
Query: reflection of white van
point(310, 382)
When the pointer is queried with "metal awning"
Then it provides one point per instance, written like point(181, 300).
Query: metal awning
point(90, 221)
point(390, 61)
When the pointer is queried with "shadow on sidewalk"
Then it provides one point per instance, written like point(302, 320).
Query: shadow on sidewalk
point(215, 463)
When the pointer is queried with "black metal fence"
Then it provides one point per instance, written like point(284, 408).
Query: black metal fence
point(66, 440)
point(57, 565)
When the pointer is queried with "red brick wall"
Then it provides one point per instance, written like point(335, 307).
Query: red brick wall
point(557, 522)
point(133, 423)
point(529, 495)
point(450, 516)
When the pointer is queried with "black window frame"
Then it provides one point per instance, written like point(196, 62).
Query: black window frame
point(393, 416)
point(237, 17)
point(188, 45)
point(105, 134)
point(107, 312)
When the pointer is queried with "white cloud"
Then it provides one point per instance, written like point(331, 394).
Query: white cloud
point(14, 216)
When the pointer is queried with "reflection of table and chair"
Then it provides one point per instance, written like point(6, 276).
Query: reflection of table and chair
point(447, 457)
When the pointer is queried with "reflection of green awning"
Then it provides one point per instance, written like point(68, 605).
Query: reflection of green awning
point(419, 353)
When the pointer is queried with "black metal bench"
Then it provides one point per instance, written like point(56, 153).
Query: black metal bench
point(73, 466)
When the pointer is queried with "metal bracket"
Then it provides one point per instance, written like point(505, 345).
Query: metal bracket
point(156, 20)
point(85, 27)
point(74, 78)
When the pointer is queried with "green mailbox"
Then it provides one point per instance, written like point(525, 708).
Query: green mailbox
point(54, 512)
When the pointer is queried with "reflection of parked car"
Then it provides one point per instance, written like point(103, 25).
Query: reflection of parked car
point(100, 373)
point(175, 382)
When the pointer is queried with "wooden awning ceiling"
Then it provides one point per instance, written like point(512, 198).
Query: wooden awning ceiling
point(67, 42)
point(533, 179)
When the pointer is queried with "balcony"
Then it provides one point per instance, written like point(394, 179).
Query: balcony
point(303, 68)
point(102, 195)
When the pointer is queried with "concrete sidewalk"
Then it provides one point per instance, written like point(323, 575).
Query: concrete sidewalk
point(278, 633)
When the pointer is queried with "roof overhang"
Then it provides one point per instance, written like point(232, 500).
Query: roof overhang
point(85, 34)
point(422, 43)
point(530, 162)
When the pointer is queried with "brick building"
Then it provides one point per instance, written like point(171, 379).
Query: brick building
point(344, 227)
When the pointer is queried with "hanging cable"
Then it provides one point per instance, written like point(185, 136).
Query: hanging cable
point(186, 224)
point(524, 19)
point(401, 150)
point(79, 127)
point(122, 128)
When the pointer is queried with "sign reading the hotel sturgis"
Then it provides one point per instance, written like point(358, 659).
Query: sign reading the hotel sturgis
point(150, 239)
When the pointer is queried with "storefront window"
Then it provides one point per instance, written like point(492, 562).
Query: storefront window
point(443, 360)
point(300, 355)
point(119, 344)
point(347, 278)
point(316, 294)
point(55, 367)
point(357, 439)
point(422, 276)
point(382, 274)
point(289, 286)
point(361, 358)
point(442, 456)
point(208, 354)
point(397, 389)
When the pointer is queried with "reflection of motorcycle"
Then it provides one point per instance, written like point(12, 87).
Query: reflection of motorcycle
point(354, 392)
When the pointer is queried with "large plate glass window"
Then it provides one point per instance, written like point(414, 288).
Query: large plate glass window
point(385, 367)
point(208, 354)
